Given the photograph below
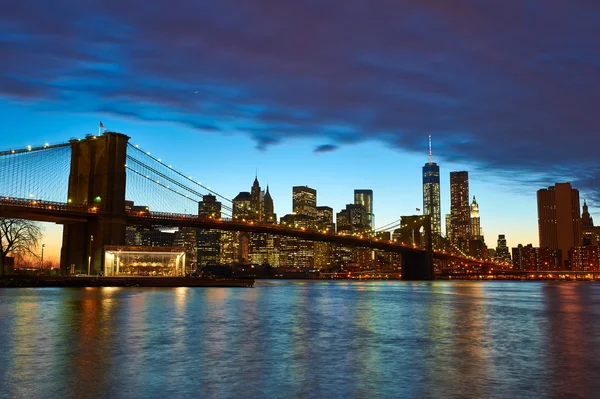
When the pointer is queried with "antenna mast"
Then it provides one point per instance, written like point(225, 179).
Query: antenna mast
point(430, 153)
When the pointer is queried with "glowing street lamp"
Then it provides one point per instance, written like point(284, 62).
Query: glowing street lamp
point(42, 258)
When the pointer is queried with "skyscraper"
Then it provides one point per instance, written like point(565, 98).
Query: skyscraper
point(502, 253)
point(304, 201)
point(475, 221)
point(586, 218)
point(431, 194)
point(459, 208)
point(269, 210)
point(256, 202)
point(559, 220)
point(365, 198)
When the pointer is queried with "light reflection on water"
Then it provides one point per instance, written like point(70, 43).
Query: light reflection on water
point(304, 339)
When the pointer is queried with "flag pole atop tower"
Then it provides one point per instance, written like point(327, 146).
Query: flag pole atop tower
point(101, 128)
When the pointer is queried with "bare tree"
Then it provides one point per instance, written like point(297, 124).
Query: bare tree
point(18, 236)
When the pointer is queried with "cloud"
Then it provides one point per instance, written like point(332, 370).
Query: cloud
point(325, 148)
point(508, 87)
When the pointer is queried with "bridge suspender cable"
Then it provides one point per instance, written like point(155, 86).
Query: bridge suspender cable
point(179, 173)
point(167, 178)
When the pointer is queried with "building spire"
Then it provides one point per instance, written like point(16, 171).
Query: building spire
point(430, 152)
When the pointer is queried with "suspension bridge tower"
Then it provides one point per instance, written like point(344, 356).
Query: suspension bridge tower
point(97, 179)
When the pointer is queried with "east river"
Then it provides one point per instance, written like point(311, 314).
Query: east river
point(314, 339)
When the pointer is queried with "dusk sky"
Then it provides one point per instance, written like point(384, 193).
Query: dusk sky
point(333, 95)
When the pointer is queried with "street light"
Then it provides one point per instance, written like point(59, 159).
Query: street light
point(90, 254)
point(42, 259)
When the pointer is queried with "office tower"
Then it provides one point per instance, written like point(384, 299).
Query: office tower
point(269, 209)
point(559, 220)
point(502, 254)
point(475, 221)
point(209, 207)
point(296, 252)
point(325, 218)
point(256, 202)
point(353, 219)
point(304, 201)
point(365, 199)
point(431, 194)
point(208, 241)
point(460, 209)
point(241, 206)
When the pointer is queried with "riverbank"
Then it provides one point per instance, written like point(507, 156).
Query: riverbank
point(93, 281)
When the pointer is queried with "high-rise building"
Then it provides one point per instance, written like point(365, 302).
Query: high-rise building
point(209, 207)
point(559, 220)
point(208, 241)
point(353, 219)
point(431, 194)
point(586, 218)
point(502, 254)
point(186, 237)
point(475, 221)
point(460, 208)
point(242, 208)
point(256, 202)
point(304, 201)
point(269, 210)
point(365, 199)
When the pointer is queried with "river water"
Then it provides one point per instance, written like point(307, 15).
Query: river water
point(307, 339)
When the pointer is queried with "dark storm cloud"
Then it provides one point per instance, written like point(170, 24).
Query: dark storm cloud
point(325, 148)
point(512, 87)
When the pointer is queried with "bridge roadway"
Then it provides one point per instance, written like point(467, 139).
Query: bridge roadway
point(64, 213)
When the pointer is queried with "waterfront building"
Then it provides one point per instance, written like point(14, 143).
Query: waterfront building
point(559, 220)
point(364, 198)
point(431, 194)
point(185, 237)
point(530, 258)
point(584, 259)
point(460, 209)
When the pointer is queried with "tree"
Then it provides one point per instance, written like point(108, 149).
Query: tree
point(18, 236)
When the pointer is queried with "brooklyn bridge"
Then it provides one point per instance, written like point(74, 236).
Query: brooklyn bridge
point(86, 184)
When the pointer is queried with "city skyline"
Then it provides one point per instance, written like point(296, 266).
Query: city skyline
point(283, 200)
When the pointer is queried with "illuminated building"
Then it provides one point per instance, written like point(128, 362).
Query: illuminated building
point(502, 254)
point(431, 194)
point(144, 261)
point(209, 207)
point(530, 258)
point(157, 238)
point(584, 259)
point(365, 199)
point(304, 201)
point(185, 237)
point(296, 252)
point(269, 210)
point(323, 251)
point(208, 241)
point(460, 209)
point(559, 221)
point(241, 206)
point(449, 226)
point(256, 202)
point(353, 219)
point(475, 221)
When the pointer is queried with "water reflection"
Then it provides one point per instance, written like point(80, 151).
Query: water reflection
point(303, 339)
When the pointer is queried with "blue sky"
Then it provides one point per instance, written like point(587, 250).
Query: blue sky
point(334, 95)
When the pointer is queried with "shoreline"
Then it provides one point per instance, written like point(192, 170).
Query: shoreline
point(94, 281)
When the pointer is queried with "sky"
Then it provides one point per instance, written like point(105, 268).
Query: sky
point(330, 94)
